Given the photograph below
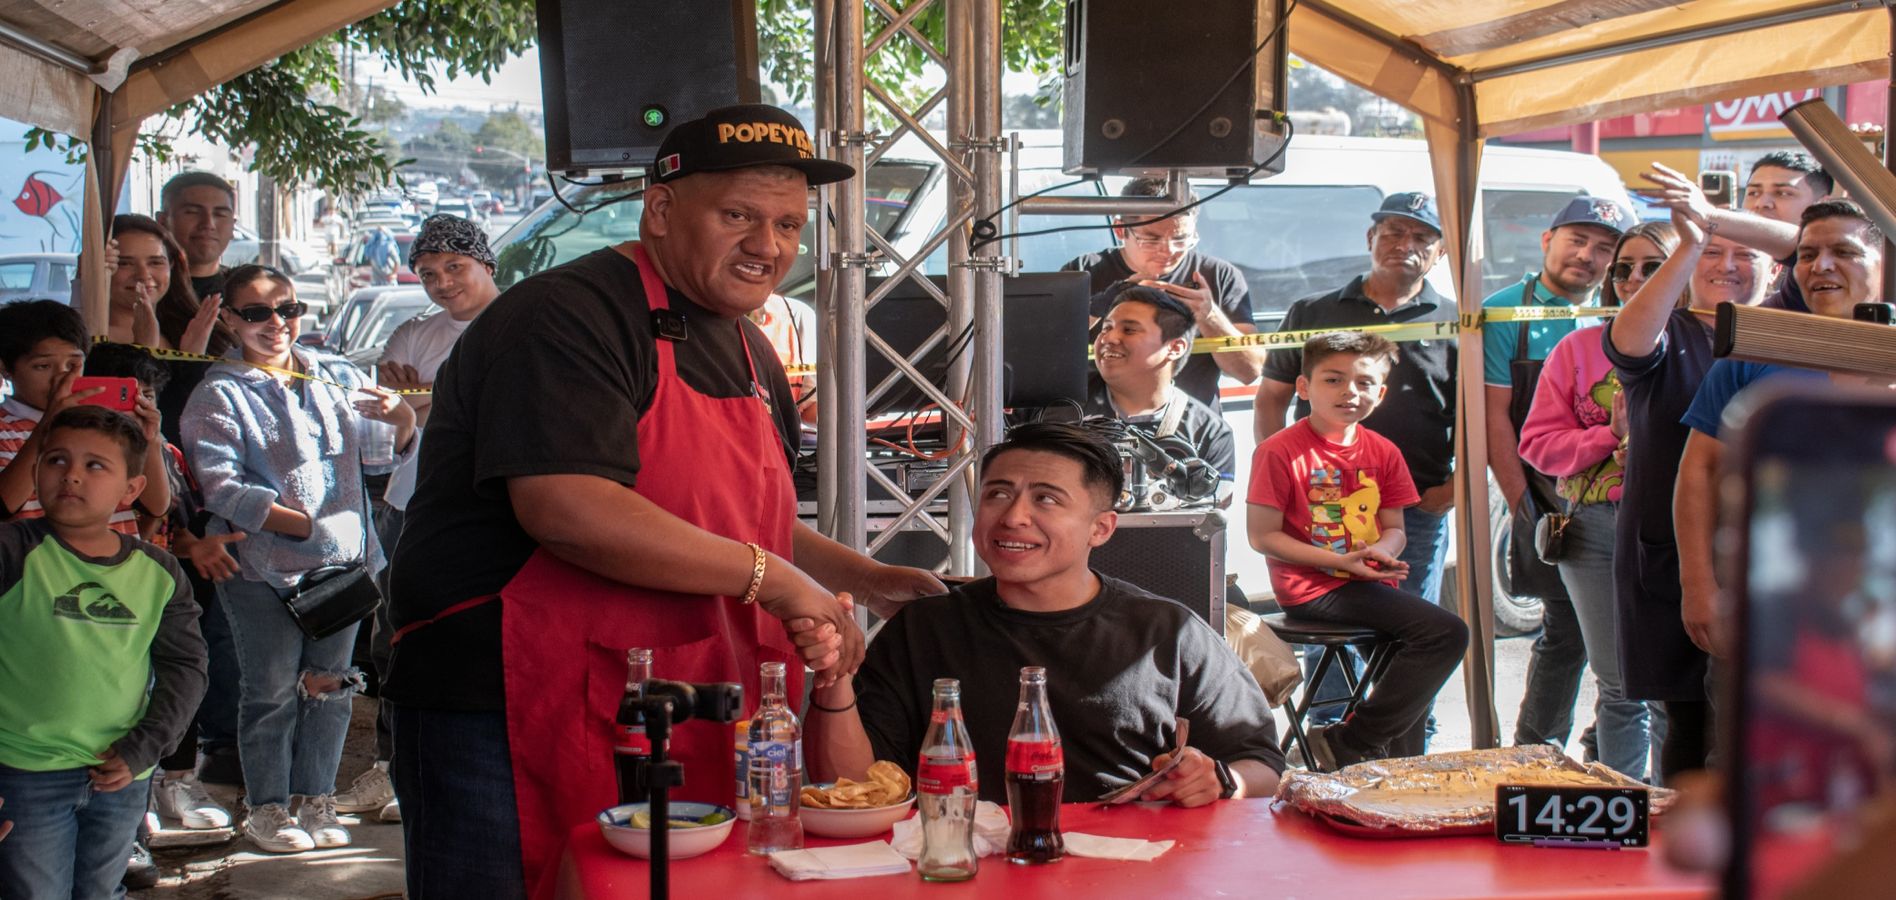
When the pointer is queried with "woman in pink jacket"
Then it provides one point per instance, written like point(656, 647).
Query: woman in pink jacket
point(1576, 431)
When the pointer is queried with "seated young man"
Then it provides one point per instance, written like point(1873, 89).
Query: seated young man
point(1326, 501)
point(101, 663)
point(1144, 340)
point(1121, 663)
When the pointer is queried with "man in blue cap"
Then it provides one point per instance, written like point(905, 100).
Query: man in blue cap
point(1577, 251)
point(1405, 243)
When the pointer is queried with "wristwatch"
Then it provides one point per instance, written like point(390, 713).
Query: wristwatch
point(1226, 780)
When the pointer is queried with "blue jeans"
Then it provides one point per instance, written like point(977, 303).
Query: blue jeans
point(69, 842)
point(1425, 552)
point(290, 740)
point(454, 778)
point(1623, 727)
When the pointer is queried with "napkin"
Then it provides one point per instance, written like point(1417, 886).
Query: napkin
point(1081, 844)
point(828, 863)
point(990, 832)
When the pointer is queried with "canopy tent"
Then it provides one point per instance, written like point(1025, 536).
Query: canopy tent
point(1477, 68)
point(95, 69)
point(1471, 68)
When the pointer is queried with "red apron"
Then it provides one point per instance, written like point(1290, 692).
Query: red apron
point(718, 464)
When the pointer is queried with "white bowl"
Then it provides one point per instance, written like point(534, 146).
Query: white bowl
point(854, 823)
point(616, 825)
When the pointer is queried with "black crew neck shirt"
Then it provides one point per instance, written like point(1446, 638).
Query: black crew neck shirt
point(551, 379)
point(1119, 670)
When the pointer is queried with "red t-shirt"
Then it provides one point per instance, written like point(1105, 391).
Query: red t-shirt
point(1329, 495)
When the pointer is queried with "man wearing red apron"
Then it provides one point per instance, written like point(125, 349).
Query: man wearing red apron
point(606, 469)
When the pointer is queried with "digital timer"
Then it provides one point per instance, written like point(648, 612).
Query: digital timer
point(1612, 816)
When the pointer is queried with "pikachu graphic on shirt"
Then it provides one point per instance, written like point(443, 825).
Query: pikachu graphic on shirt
point(1343, 523)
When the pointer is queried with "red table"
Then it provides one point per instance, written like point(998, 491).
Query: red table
point(1235, 848)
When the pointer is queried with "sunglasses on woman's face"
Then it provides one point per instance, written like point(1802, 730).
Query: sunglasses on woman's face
point(1624, 271)
point(259, 313)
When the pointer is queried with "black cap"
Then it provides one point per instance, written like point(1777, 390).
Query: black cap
point(739, 137)
point(1413, 205)
point(1602, 211)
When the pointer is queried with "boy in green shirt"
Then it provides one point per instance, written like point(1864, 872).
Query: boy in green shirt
point(101, 663)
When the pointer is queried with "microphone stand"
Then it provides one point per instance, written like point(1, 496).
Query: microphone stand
point(660, 775)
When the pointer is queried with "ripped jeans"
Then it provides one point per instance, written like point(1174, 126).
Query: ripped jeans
point(293, 705)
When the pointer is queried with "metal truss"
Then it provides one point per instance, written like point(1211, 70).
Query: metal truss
point(848, 249)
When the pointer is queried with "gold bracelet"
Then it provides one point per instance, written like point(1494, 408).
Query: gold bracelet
point(757, 573)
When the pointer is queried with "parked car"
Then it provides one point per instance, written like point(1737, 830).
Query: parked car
point(37, 276)
point(386, 312)
point(461, 208)
point(348, 316)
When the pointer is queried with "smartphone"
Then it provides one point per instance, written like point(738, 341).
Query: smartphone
point(119, 393)
point(1808, 719)
point(1720, 187)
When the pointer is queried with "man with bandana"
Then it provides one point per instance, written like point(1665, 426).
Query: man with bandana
point(456, 268)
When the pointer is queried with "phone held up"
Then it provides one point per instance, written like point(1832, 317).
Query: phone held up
point(118, 393)
point(1720, 188)
point(1811, 736)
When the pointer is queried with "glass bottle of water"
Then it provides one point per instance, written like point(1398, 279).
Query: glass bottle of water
point(776, 769)
point(947, 788)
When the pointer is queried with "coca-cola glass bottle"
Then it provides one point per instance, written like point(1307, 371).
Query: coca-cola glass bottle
point(1036, 775)
point(630, 747)
point(776, 769)
point(946, 789)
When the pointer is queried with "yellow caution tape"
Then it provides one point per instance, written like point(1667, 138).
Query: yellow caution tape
point(168, 353)
point(1402, 332)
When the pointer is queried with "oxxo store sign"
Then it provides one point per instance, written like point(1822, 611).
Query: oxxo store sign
point(1750, 118)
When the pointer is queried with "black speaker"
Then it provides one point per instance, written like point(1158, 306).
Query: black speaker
point(1150, 90)
point(615, 74)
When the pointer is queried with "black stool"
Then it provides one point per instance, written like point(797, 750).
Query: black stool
point(1333, 639)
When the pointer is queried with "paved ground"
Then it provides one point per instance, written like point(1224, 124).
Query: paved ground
point(372, 868)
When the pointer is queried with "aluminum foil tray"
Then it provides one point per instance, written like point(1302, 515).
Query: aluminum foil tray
point(1441, 793)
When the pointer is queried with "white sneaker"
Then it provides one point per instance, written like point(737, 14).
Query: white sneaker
point(317, 815)
point(270, 827)
point(392, 812)
point(369, 792)
point(185, 800)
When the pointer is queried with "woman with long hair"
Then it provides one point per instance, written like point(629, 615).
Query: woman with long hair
point(275, 436)
point(1576, 432)
point(152, 303)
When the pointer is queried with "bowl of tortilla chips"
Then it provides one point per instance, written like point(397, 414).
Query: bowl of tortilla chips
point(858, 809)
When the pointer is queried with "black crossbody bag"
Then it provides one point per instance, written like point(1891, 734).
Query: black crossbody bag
point(332, 598)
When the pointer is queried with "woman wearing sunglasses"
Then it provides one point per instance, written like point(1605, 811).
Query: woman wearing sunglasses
point(1577, 432)
point(279, 458)
point(1661, 349)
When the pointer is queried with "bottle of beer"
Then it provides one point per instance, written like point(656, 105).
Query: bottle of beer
point(776, 769)
point(947, 788)
point(630, 747)
point(1036, 775)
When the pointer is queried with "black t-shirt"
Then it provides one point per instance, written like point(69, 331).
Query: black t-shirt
point(1199, 378)
point(551, 379)
point(209, 284)
point(1197, 425)
point(1119, 669)
point(1418, 412)
point(1657, 658)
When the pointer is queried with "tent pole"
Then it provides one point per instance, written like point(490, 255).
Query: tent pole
point(1889, 158)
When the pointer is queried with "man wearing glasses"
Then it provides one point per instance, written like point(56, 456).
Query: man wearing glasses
point(1163, 255)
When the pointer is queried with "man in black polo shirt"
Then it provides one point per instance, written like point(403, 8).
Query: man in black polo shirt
point(1405, 242)
point(1162, 255)
point(1141, 341)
